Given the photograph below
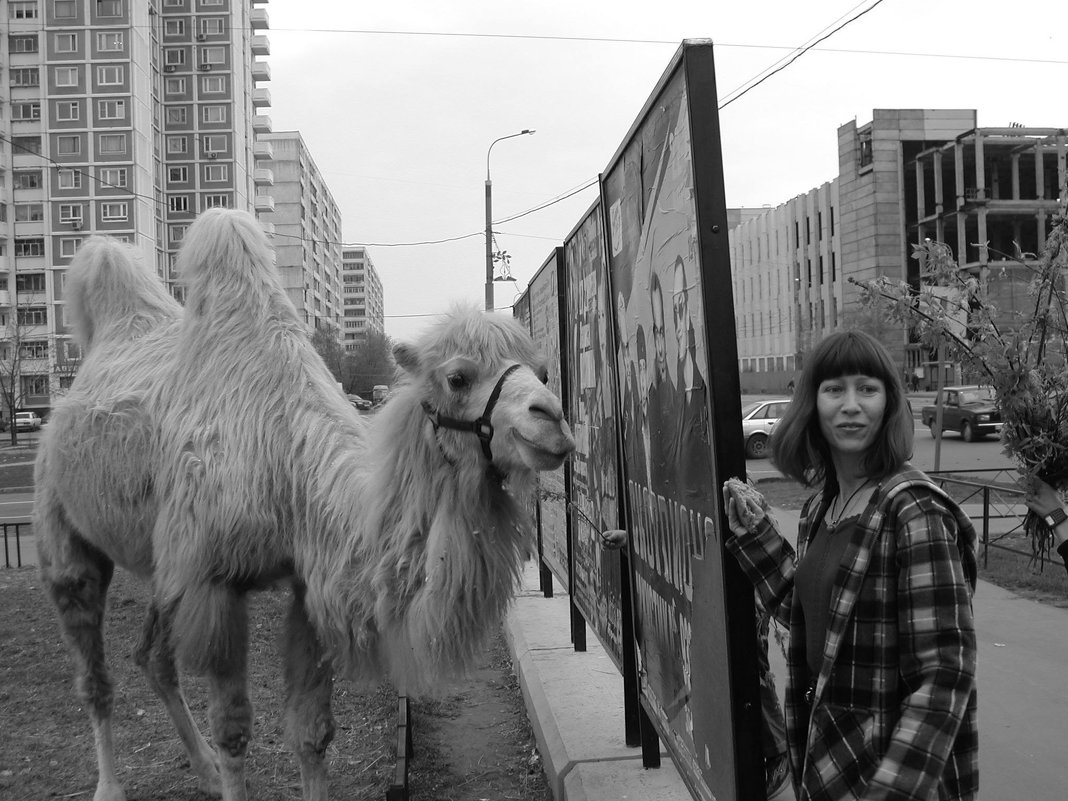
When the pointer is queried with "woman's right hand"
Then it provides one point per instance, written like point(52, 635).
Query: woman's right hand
point(745, 506)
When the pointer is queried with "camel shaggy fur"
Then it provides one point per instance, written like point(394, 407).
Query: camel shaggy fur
point(208, 450)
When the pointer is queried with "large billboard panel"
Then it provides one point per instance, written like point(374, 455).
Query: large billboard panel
point(676, 354)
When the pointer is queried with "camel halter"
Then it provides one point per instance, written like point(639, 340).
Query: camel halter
point(482, 427)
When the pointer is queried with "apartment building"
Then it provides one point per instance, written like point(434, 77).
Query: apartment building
point(120, 117)
point(905, 176)
point(363, 310)
point(306, 224)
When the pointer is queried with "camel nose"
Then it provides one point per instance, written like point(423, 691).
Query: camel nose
point(547, 406)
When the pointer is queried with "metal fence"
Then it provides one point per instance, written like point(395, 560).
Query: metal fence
point(13, 534)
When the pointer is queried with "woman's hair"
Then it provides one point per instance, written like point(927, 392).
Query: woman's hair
point(798, 447)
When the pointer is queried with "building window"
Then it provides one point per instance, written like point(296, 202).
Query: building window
point(22, 9)
point(29, 247)
point(109, 8)
point(70, 213)
point(68, 110)
point(174, 56)
point(111, 109)
point(68, 246)
point(66, 76)
point(29, 212)
point(174, 27)
point(177, 175)
point(177, 115)
point(28, 179)
point(25, 111)
point(173, 3)
point(72, 351)
point(111, 144)
point(109, 42)
point(212, 26)
point(64, 9)
point(26, 144)
point(69, 145)
point(213, 55)
point(114, 212)
point(66, 42)
point(35, 385)
point(211, 2)
point(23, 43)
point(212, 84)
point(25, 76)
point(175, 86)
point(112, 177)
point(178, 203)
point(110, 75)
point(214, 114)
point(214, 143)
point(215, 173)
point(177, 144)
point(216, 201)
point(864, 144)
point(178, 232)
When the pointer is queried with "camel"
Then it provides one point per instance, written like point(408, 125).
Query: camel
point(207, 450)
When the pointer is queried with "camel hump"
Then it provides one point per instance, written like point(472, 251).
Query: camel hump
point(110, 292)
point(227, 266)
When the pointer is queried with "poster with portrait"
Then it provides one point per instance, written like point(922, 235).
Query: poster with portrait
point(595, 571)
point(677, 365)
point(543, 299)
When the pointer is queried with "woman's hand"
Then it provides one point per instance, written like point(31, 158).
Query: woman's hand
point(614, 538)
point(746, 507)
point(1041, 498)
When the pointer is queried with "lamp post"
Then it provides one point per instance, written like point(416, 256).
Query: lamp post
point(489, 218)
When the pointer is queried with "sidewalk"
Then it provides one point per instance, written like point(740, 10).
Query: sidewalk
point(575, 700)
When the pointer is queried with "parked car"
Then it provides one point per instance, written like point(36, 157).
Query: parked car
point(757, 421)
point(972, 410)
point(27, 421)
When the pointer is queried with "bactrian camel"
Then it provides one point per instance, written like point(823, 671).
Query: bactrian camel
point(208, 450)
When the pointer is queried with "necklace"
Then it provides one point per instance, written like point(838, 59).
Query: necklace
point(832, 523)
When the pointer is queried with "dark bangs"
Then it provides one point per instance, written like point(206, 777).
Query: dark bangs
point(853, 353)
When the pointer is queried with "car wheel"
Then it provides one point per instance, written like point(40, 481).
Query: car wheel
point(757, 446)
point(967, 433)
point(934, 430)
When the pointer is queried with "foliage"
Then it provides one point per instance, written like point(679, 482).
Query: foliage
point(327, 344)
point(1021, 353)
point(370, 364)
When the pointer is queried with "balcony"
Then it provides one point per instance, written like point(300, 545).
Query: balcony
point(261, 97)
point(259, 20)
point(261, 46)
point(261, 124)
point(261, 71)
point(262, 151)
point(5, 296)
point(264, 203)
point(263, 177)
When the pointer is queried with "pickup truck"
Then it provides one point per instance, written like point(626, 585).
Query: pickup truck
point(971, 410)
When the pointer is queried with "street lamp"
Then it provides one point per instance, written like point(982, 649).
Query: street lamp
point(489, 218)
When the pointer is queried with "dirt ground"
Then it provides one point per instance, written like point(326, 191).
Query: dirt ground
point(471, 744)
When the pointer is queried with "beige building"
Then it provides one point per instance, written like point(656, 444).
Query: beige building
point(121, 117)
point(306, 224)
point(362, 294)
point(904, 176)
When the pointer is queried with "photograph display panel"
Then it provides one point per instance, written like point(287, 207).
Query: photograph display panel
point(654, 255)
point(596, 573)
point(543, 306)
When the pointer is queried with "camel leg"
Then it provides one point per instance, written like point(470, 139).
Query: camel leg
point(227, 669)
point(77, 576)
point(309, 679)
point(155, 656)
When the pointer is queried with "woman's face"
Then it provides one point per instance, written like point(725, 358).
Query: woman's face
point(850, 410)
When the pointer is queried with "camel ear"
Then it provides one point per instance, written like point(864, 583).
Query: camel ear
point(407, 358)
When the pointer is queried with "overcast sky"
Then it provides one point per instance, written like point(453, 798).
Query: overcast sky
point(399, 102)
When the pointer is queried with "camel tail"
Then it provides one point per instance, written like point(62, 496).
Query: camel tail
point(110, 292)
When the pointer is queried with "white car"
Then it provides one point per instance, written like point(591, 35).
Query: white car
point(757, 421)
point(27, 421)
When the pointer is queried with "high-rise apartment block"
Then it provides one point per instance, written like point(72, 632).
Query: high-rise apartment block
point(306, 224)
point(989, 194)
point(363, 310)
point(120, 117)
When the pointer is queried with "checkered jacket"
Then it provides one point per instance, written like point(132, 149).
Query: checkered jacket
point(894, 710)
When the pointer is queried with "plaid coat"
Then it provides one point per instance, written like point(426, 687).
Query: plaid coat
point(894, 710)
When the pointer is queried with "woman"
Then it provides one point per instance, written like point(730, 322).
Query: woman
point(880, 692)
point(1044, 501)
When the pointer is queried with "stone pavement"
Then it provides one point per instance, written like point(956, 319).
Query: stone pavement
point(575, 700)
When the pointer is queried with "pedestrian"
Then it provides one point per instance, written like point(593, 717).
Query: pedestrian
point(880, 688)
point(1044, 501)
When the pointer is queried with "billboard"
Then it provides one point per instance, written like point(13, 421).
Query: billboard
point(669, 275)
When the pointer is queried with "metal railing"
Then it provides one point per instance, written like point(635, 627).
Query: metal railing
point(18, 535)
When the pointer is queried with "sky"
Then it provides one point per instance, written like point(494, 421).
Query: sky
point(399, 103)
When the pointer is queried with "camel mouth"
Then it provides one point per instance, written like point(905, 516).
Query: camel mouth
point(544, 457)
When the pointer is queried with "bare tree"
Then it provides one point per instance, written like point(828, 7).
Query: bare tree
point(24, 347)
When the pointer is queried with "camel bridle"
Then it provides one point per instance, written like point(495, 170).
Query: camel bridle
point(480, 427)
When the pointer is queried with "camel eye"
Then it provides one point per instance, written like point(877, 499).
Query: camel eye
point(543, 375)
point(457, 381)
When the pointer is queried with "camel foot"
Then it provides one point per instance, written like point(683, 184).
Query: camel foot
point(207, 772)
point(109, 791)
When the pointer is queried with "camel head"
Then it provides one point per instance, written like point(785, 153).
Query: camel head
point(480, 381)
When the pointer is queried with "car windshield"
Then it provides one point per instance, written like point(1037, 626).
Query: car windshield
point(748, 410)
point(980, 395)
